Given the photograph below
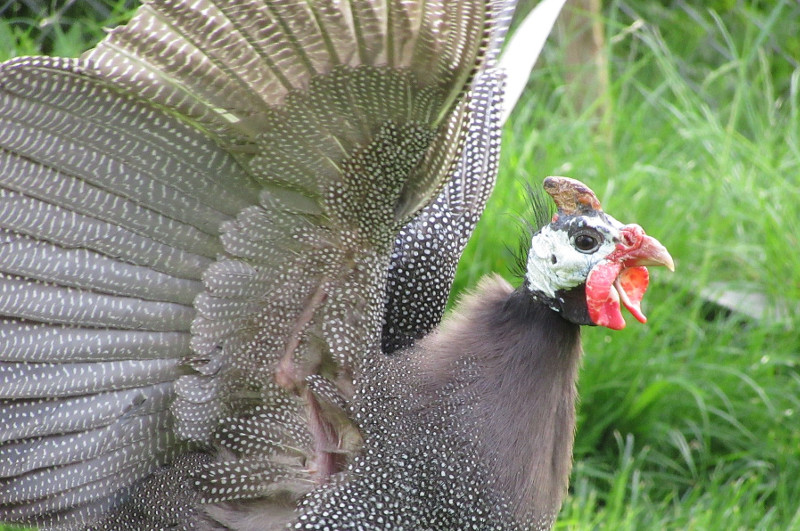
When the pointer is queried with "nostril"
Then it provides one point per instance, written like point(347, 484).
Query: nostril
point(631, 235)
point(628, 239)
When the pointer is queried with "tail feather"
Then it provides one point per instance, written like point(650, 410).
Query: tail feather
point(76, 477)
point(224, 64)
point(241, 57)
point(73, 485)
point(23, 419)
point(24, 176)
point(110, 212)
point(71, 519)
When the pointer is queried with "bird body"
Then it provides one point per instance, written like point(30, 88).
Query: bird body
point(227, 237)
point(479, 415)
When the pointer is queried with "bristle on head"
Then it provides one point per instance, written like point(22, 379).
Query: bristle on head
point(571, 196)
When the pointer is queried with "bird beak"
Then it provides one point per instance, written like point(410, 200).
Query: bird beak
point(650, 252)
point(623, 278)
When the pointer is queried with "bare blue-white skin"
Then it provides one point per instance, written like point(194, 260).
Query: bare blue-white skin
point(564, 252)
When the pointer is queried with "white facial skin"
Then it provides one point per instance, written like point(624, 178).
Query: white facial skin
point(572, 265)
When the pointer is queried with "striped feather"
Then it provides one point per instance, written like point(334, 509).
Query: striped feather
point(34, 380)
point(110, 211)
point(77, 484)
point(80, 268)
point(44, 221)
point(52, 304)
point(31, 454)
point(226, 63)
point(34, 418)
point(46, 101)
point(38, 343)
point(76, 195)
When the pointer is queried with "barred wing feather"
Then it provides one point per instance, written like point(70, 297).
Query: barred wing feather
point(197, 222)
point(105, 230)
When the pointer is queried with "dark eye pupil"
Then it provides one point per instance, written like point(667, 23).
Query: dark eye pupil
point(585, 242)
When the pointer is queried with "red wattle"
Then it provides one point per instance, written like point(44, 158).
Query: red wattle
point(622, 278)
point(631, 285)
point(602, 300)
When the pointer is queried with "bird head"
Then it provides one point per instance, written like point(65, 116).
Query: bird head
point(585, 263)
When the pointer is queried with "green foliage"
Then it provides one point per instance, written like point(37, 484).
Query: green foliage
point(690, 421)
point(64, 29)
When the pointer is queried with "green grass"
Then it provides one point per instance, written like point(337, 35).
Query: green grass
point(693, 420)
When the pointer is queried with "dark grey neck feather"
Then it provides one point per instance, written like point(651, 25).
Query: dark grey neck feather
point(526, 358)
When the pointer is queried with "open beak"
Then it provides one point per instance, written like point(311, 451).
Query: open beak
point(649, 252)
point(623, 278)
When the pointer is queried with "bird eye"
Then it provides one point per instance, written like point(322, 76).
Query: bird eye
point(586, 243)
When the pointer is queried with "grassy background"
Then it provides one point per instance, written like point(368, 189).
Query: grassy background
point(693, 420)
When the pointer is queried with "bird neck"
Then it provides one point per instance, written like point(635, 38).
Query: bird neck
point(518, 389)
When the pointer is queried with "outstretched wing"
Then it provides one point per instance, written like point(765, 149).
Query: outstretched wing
point(427, 249)
point(197, 222)
point(110, 211)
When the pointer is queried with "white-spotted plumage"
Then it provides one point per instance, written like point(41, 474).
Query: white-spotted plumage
point(221, 204)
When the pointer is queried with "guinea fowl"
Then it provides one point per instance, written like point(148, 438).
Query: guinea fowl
point(217, 225)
